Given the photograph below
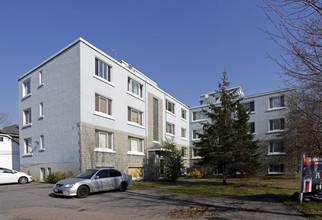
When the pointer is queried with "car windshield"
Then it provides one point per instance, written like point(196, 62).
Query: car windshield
point(87, 174)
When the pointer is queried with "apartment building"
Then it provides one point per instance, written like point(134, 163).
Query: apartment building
point(81, 109)
point(268, 112)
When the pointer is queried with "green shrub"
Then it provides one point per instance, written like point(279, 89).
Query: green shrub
point(55, 177)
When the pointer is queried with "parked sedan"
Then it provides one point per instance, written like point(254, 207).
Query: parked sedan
point(93, 180)
point(13, 176)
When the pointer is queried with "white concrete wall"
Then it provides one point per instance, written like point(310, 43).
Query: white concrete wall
point(60, 94)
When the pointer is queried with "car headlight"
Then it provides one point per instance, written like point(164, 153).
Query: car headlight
point(69, 185)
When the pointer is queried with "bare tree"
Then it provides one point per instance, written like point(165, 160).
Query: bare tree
point(4, 119)
point(297, 29)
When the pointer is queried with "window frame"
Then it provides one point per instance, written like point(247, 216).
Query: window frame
point(27, 117)
point(130, 111)
point(252, 128)
point(271, 102)
point(99, 64)
point(251, 107)
point(271, 148)
point(184, 152)
point(195, 155)
point(27, 146)
point(109, 141)
point(271, 125)
point(132, 84)
point(184, 114)
point(279, 168)
point(170, 106)
point(40, 78)
point(108, 105)
point(26, 88)
point(184, 133)
point(41, 143)
point(41, 110)
point(199, 115)
point(195, 134)
point(140, 142)
point(170, 129)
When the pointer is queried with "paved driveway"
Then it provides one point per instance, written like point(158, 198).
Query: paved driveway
point(35, 201)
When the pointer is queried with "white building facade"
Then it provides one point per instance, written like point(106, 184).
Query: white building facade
point(81, 109)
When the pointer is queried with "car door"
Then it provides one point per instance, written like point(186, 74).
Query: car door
point(115, 178)
point(8, 176)
point(102, 181)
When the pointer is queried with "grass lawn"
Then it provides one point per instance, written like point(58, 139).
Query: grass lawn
point(281, 188)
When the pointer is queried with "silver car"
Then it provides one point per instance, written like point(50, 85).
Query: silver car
point(93, 180)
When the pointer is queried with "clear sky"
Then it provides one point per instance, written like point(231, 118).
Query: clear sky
point(184, 46)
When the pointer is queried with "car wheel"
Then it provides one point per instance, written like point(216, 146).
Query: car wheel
point(82, 192)
point(123, 186)
point(23, 180)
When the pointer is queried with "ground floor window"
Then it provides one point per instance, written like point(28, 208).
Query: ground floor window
point(104, 140)
point(195, 153)
point(136, 145)
point(136, 172)
point(276, 169)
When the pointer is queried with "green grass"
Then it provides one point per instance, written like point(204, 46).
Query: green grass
point(143, 185)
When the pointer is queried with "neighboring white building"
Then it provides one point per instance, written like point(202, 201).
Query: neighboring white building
point(9, 147)
point(81, 108)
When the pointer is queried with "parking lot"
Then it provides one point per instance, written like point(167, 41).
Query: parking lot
point(35, 201)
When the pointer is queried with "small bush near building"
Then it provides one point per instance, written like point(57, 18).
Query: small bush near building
point(197, 174)
point(57, 176)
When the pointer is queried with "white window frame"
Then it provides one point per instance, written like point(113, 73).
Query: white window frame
point(170, 129)
point(27, 119)
point(271, 148)
point(281, 125)
point(27, 146)
point(41, 110)
point(183, 133)
point(271, 102)
point(199, 115)
point(250, 128)
point(99, 64)
point(140, 144)
point(41, 143)
point(184, 114)
point(184, 152)
point(195, 134)
point(249, 103)
point(131, 111)
point(276, 165)
point(26, 87)
point(108, 105)
point(135, 87)
point(40, 76)
point(193, 156)
point(109, 142)
point(170, 106)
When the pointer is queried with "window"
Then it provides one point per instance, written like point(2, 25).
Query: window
point(136, 145)
point(40, 78)
point(170, 128)
point(104, 140)
point(275, 147)
point(155, 119)
point(134, 116)
point(250, 106)
point(1, 139)
point(27, 117)
point(27, 146)
point(276, 169)
point(195, 133)
point(134, 87)
point(103, 174)
point(183, 133)
point(102, 70)
point(41, 109)
point(169, 106)
point(276, 124)
point(183, 113)
point(42, 173)
point(252, 127)
point(199, 115)
point(195, 153)
point(26, 88)
point(184, 152)
point(114, 173)
point(41, 142)
point(276, 102)
point(103, 104)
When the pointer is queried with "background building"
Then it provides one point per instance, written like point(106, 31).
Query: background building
point(9, 147)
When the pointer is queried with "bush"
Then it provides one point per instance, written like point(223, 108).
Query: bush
point(171, 163)
point(197, 174)
point(55, 177)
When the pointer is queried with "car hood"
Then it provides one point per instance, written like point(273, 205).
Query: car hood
point(71, 180)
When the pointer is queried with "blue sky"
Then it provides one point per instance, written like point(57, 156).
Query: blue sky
point(184, 46)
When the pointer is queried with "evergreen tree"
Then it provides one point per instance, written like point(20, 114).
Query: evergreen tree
point(225, 142)
point(172, 161)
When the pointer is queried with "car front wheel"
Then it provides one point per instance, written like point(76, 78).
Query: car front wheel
point(82, 192)
point(23, 180)
point(123, 186)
